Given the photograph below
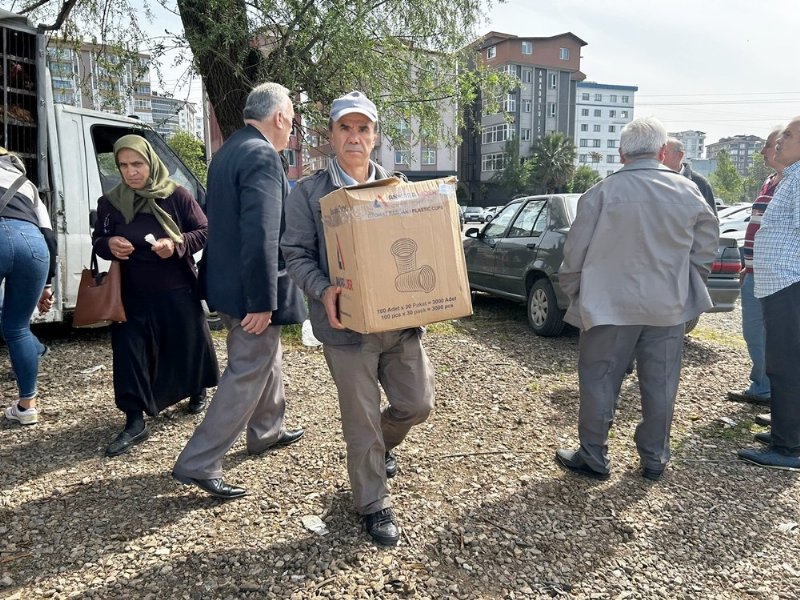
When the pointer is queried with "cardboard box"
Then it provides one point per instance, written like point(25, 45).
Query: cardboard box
point(395, 250)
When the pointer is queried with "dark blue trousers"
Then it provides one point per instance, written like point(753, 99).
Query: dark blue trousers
point(782, 326)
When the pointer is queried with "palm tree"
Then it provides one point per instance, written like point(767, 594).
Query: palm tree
point(553, 162)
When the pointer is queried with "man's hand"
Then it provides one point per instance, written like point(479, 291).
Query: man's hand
point(330, 300)
point(120, 247)
point(742, 273)
point(164, 247)
point(256, 323)
point(45, 301)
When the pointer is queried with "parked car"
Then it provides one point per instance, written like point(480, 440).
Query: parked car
point(518, 254)
point(474, 214)
point(731, 211)
point(736, 220)
point(489, 212)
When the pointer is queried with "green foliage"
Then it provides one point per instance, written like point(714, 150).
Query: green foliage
point(515, 178)
point(757, 172)
point(726, 181)
point(192, 152)
point(412, 57)
point(553, 163)
point(584, 178)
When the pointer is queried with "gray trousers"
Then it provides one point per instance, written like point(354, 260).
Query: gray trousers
point(605, 352)
point(397, 361)
point(249, 396)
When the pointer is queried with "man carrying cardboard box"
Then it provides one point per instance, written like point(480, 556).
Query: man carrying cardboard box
point(359, 363)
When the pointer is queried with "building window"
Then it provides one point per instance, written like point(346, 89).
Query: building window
point(612, 114)
point(612, 128)
point(493, 162)
point(510, 70)
point(428, 156)
point(595, 143)
point(526, 106)
point(497, 133)
point(623, 114)
point(584, 97)
point(527, 76)
point(584, 127)
point(510, 103)
point(584, 112)
point(596, 157)
point(527, 47)
point(402, 157)
point(582, 158)
point(597, 112)
point(611, 144)
point(598, 97)
point(290, 157)
point(551, 109)
point(491, 52)
point(553, 80)
point(612, 98)
point(583, 143)
point(596, 128)
point(625, 99)
point(563, 53)
point(141, 104)
point(611, 158)
point(525, 135)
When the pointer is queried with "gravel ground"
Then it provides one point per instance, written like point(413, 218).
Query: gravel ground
point(486, 511)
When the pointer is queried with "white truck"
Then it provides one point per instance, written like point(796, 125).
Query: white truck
point(67, 151)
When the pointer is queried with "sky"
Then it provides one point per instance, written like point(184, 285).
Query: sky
point(720, 66)
point(724, 67)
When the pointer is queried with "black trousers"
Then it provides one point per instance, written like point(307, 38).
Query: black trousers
point(782, 326)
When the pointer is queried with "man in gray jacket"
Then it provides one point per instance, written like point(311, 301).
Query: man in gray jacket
point(360, 364)
point(635, 264)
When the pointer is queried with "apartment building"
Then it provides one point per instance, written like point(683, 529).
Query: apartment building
point(740, 148)
point(548, 69)
point(171, 115)
point(601, 111)
point(693, 143)
point(93, 76)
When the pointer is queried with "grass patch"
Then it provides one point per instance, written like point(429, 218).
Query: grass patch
point(715, 336)
point(444, 328)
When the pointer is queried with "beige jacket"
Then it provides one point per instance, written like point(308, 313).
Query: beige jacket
point(639, 250)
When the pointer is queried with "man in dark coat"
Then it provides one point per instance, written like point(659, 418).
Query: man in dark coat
point(239, 274)
point(673, 158)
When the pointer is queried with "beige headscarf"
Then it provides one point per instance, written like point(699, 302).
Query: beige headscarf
point(129, 202)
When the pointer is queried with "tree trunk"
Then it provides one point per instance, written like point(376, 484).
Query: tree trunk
point(224, 56)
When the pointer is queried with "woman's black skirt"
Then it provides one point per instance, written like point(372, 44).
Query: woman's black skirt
point(163, 353)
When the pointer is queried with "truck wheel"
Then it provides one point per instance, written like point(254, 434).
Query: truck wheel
point(691, 324)
point(544, 316)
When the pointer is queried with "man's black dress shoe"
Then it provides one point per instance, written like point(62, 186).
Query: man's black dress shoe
point(216, 487)
point(651, 473)
point(125, 441)
point(197, 403)
point(751, 398)
point(286, 438)
point(383, 527)
point(573, 461)
point(764, 438)
point(391, 465)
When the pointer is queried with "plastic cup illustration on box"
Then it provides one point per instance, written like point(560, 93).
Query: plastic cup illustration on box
point(410, 278)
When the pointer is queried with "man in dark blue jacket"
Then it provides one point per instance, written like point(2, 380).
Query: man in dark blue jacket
point(239, 274)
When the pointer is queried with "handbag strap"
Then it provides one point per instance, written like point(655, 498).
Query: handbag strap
point(6, 198)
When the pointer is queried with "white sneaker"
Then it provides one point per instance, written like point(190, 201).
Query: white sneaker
point(23, 416)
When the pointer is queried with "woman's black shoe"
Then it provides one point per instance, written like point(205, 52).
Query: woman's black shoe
point(197, 403)
point(125, 441)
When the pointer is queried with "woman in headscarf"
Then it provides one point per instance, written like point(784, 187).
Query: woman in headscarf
point(27, 265)
point(163, 352)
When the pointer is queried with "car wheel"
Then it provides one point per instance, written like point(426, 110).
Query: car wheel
point(692, 324)
point(489, 219)
point(544, 316)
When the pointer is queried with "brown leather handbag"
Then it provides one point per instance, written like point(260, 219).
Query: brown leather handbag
point(99, 300)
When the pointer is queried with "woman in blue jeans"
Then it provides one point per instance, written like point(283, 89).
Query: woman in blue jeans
point(27, 263)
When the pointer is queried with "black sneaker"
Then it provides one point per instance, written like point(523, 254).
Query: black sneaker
point(383, 527)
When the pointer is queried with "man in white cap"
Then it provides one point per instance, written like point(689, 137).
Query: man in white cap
point(360, 363)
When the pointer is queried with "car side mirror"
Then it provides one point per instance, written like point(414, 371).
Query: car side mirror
point(472, 232)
